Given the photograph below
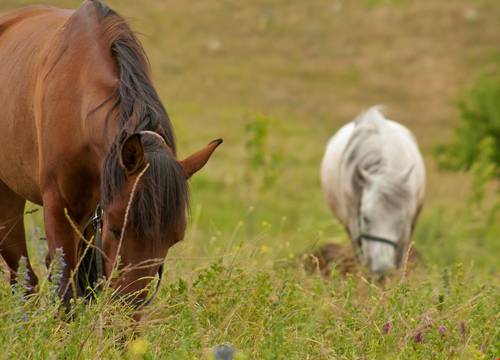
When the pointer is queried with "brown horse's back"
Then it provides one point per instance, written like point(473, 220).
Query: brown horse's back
point(23, 35)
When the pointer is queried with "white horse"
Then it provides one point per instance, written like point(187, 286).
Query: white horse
point(374, 179)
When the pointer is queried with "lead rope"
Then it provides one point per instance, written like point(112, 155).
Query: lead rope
point(97, 224)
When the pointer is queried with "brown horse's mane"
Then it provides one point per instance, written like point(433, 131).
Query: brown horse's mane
point(160, 203)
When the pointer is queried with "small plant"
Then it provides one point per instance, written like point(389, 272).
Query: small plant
point(57, 272)
point(262, 163)
point(22, 284)
point(483, 169)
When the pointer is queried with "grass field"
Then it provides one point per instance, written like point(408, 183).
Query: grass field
point(298, 70)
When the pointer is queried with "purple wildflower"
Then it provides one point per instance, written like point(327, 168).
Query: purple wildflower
point(462, 329)
point(387, 327)
point(418, 337)
point(442, 330)
point(223, 352)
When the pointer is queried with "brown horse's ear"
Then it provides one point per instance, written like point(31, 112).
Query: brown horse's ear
point(196, 161)
point(132, 154)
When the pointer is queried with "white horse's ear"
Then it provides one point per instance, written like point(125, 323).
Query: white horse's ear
point(405, 175)
point(364, 175)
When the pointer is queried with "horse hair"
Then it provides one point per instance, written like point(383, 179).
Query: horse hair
point(365, 152)
point(161, 202)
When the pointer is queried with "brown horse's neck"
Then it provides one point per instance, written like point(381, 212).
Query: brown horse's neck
point(126, 99)
point(94, 87)
point(91, 76)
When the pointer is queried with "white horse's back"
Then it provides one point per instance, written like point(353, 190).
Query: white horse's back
point(356, 142)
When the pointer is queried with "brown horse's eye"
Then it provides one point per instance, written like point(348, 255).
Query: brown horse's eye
point(116, 233)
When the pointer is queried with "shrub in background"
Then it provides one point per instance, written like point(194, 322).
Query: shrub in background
point(476, 145)
point(480, 120)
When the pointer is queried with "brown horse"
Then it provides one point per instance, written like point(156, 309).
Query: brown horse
point(81, 124)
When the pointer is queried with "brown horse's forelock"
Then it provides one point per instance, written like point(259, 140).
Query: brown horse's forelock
point(161, 201)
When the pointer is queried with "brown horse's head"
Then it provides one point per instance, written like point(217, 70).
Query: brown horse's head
point(144, 190)
point(145, 199)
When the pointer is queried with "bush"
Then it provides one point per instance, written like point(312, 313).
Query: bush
point(478, 135)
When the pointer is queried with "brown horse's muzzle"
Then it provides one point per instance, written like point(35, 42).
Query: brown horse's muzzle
point(136, 289)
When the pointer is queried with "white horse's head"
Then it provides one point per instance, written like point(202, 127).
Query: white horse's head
point(385, 219)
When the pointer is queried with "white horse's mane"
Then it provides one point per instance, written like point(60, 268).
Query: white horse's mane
point(368, 152)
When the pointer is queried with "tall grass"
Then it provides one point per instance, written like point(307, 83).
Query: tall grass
point(269, 315)
point(266, 307)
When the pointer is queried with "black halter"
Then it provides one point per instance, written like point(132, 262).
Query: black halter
point(97, 260)
point(368, 237)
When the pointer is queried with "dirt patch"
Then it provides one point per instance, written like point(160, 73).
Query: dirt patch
point(343, 259)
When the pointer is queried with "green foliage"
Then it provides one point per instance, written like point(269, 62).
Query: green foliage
point(483, 169)
point(478, 136)
point(476, 147)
